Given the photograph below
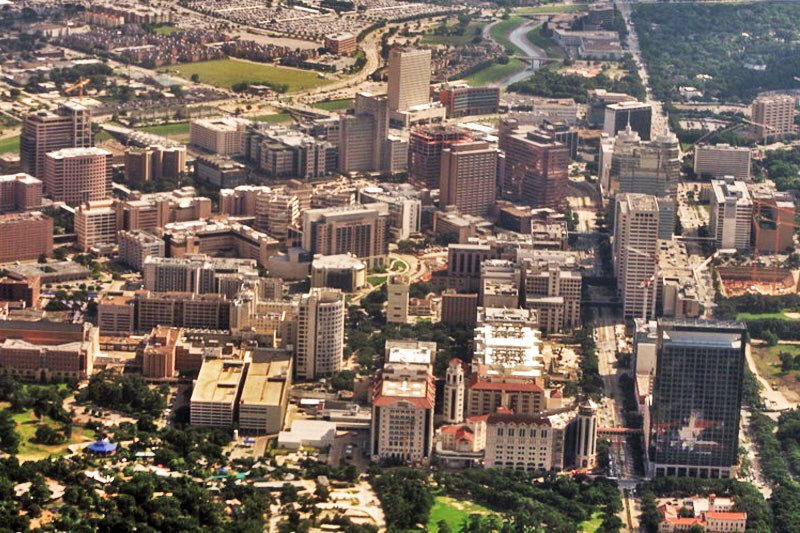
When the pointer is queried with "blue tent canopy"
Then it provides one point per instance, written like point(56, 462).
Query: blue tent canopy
point(102, 446)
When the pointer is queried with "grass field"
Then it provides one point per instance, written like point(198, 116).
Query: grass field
point(166, 30)
point(537, 37)
point(178, 129)
point(768, 364)
point(9, 145)
point(228, 72)
point(755, 316)
point(275, 118)
point(473, 29)
point(554, 8)
point(7, 122)
point(31, 451)
point(500, 32)
point(334, 105)
point(495, 73)
point(453, 511)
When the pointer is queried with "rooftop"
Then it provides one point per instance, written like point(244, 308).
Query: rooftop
point(265, 382)
point(218, 381)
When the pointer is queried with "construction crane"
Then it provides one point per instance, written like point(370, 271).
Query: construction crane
point(77, 86)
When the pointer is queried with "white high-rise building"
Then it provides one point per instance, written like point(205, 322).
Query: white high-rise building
point(720, 160)
point(635, 252)
point(320, 334)
point(409, 78)
point(397, 290)
point(731, 214)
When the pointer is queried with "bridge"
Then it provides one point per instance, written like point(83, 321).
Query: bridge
point(619, 431)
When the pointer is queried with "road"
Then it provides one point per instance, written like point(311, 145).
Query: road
point(519, 38)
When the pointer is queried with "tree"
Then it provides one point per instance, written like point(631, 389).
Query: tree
point(770, 338)
point(195, 77)
point(42, 259)
point(443, 526)
point(9, 439)
point(344, 380)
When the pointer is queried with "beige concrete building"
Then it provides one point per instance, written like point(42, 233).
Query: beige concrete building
point(343, 272)
point(96, 224)
point(731, 214)
point(720, 160)
point(276, 213)
point(77, 175)
point(409, 78)
point(135, 246)
point(320, 334)
point(397, 291)
point(529, 443)
point(553, 289)
point(265, 396)
point(402, 403)
point(216, 392)
point(468, 177)
point(44, 131)
point(222, 136)
point(25, 236)
point(361, 230)
point(20, 192)
point(635, 252)
point(774, 116)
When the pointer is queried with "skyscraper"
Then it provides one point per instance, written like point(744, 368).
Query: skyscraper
point(77, 175)
point(363, 135)
point(697, 398)
point(44, 131)
point(409, 78)
point(320, 334)
point(637, 115)
point(635, 252)
point(731, 214)
point(425, 147)
point(469, 177)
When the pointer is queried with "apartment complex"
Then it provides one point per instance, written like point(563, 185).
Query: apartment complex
point(773, 116)
point(731, 214)
point(44, 131)
point(320, 334)
point(697, 399)
point(361, 230)
point(403, 400)
point(25, 236)
point(635, 252)
point(469, 177)
point(77, 175)
point(41, 351)
point(720, 160)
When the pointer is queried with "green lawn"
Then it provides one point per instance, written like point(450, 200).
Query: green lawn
point(503, 29)
point(166, 30)
point(768, 364)
point(537, 37)
point(9, 145)
point(756, 316)
point(550, 8)
point(274, 118)
point(454, 512)
point(334, 105)
point(168, 130)
point(377, 280)
point(7, 122)
point(31, 451)
point(495, 73)
point(473, 29)
point(228, 72)
point(593, 524)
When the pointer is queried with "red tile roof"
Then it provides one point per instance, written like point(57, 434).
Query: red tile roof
point(717, 515)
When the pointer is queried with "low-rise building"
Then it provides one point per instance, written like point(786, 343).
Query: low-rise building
point(343, 272)
point(216, 393)
point(265, 396)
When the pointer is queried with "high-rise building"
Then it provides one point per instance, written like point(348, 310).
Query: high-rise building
point(461, 100)
point(635, 252)
point(397, 291)
point(554, 291)
point(648, 167)
point(697, 399)
point(135, 246)
point(320, 334)
point(222, 136)
point(361, 230)
point(409, 78)
point(402, 403)
point(25, 236)
point(44, 131)
point(405, 205)
point(276, 213)
point(525, 442)
point(586, 436)
point(536, 169)
point(731, 214)
point(425, 146)
point(153, 163)
point(774, 115)
point(364, 134)
point(96, 224)
point(78, 175)
point(469, 177)
point(774, 222)
point(20, 192)
point(720, 160)
point(637, 115)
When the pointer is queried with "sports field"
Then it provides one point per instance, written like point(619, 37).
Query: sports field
point(228, 72)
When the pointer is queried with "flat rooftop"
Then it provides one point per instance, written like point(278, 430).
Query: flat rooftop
point(218, 381)
point(265, 383)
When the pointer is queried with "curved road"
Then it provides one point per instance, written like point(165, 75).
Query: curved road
point(519, 38)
